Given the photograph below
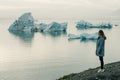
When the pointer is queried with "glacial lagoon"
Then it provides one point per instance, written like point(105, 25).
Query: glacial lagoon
point(48, 56)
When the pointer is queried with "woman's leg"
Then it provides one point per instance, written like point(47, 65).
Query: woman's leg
point(101, 61)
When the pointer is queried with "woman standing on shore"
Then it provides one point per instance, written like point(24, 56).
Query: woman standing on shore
point(100, 48)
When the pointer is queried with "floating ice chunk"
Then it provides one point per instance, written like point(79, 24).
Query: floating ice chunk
point(104, 25)
point(83, 25)
point(39, 27)
point(73, 36)
point(25, 22)
point(87, 25)
point(53, 27)
point(84, 36)
point(42, 26)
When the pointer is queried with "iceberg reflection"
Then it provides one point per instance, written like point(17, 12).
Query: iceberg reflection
point(25, 36)
point(55, 34)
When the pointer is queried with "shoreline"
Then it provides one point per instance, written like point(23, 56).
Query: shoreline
point(112, 72)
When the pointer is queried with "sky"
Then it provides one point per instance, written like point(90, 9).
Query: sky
point(53, 9)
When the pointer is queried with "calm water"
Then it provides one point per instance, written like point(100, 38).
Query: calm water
point(50, 56)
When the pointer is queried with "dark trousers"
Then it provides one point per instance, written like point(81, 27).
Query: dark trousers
point(101, 61)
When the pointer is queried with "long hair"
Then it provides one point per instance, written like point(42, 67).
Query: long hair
point(102, 34)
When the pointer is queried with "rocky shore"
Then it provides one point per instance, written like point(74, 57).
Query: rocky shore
point(112, 72)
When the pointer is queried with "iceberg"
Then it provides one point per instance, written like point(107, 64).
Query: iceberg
point(26, 25)
point(39, 27)
point(73, 36)
point(87, 25)
point(52, 27)
point(83, 25)
point(24, 22)
point(42, 26)
point(84, 36)
point(104, 25)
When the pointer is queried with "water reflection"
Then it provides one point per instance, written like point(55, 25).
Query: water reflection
point(54, 34)
point(84, 29)
point(25, 36)
point(84, 40)
point(28, 36)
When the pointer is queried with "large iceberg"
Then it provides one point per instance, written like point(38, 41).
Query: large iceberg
point(52, 27)
point(24, 22)
point(84, 36)
point(87, 25)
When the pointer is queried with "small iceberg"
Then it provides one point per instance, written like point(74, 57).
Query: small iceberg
point(52, 27)
point(84, 36)
point(87, 25)
point(84, 25)
point(73, 36)
point(24, 23)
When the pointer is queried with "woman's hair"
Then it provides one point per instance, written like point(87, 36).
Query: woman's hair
point(102, 34)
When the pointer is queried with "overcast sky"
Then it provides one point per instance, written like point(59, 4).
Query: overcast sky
point(46, 9)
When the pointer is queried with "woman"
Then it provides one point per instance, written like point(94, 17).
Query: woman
point(100, 48)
